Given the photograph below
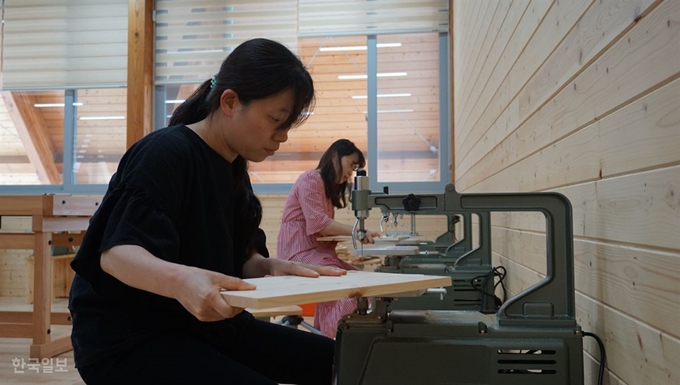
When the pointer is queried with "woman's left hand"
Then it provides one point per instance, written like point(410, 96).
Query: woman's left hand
point(370, 237)
point(282, 267)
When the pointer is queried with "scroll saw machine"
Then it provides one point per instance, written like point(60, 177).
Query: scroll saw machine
point(532, 339)
point(470, 269)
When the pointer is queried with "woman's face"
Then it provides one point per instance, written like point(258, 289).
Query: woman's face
point(256, 134)
point(348, 165)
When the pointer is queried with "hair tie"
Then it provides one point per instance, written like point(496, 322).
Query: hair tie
point(213, 81)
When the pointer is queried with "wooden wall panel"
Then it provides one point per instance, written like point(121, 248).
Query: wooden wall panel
point(608, 271)
point(557, 22)
point(619, 76)
point(636, 352)
point(639, 136)
point(589, 108)
point(519, 36)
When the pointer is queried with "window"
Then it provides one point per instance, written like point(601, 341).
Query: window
point(408, 106)
point(100, 134)
point(63, 140)
point(337, 113)
point(61, 61)
point(401, 138)
point(31, 135)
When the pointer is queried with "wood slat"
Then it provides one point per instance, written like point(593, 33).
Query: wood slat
point(559, 20)
point(609, 272)
point(511, 22)
point(75, 205)
point(579, 47)
point(638, 137)
point(592, 95)
point(16, 241)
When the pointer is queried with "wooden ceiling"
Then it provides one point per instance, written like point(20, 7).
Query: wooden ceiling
point(408, 127)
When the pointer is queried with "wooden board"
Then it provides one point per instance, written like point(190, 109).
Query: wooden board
point(336, 238)
point(292, 290)
point(384, 250)
point(348, 238)
point(276, 311)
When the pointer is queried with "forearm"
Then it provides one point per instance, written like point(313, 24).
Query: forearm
point(136, 267)
point(336, 228)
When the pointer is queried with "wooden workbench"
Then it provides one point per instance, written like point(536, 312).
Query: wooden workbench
point(69, 217)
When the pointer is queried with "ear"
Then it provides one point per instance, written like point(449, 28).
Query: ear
point(229, 102)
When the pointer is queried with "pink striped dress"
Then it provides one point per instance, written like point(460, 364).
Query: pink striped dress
point(307, 212)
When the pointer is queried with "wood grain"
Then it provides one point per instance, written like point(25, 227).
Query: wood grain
point(276, 311)
point(293, 290)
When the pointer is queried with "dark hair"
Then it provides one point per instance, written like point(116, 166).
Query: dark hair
point(334, 191)
point(256, 69)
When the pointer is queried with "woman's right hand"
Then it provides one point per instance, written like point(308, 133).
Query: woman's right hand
point(370, 237)
point(199, 292)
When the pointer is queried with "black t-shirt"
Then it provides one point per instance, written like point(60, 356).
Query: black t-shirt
point(174, 196)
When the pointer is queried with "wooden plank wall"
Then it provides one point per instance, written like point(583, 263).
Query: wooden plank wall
point(582, 97)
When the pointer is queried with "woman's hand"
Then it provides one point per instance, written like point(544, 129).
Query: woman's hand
point(282, 267)
point(370, 237)
point(198, 290)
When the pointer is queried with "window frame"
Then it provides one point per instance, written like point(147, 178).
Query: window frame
point(372, 127)
point(68, 186)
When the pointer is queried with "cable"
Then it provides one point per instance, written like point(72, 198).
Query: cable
point(497, 272)
point(501, 276)
point(603, 355)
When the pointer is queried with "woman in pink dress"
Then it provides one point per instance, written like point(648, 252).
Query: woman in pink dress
point(309, 213)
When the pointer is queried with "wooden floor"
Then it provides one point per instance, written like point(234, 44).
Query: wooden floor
point(14, 351)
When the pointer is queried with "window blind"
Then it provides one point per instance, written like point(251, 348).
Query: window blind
point(371, 17)
point(194, 37)
point(57, 44)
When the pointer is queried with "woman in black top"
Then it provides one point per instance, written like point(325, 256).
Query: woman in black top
point(179, 221)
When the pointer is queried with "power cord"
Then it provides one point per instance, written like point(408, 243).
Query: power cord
point(497, 272)
point(603, 355)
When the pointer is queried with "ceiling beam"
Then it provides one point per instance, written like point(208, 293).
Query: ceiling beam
point(140, 70)
point(32, 130)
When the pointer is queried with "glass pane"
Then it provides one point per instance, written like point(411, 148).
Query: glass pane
point(338, 67)
point(32, 137)
point(100, 134)
point(175, 94)
point(408, 108)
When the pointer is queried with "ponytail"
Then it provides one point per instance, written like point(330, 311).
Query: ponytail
point(195, 108)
